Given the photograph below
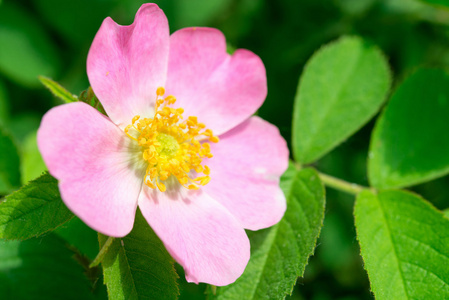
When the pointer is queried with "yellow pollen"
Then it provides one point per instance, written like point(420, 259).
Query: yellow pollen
point(172, 146)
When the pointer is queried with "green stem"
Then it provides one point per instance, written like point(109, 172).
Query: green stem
point(102, 252)
point(341, 185)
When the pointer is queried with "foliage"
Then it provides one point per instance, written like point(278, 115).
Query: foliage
point(138, 266)
point(403, 146)
point(353, 58)
point(405, 245)
point(57, 90)
point(33, 210)
point(346, 80)
point(24, 267)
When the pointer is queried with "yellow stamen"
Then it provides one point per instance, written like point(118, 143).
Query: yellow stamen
point(160, 91)
point(161, 186)
point(172, 146)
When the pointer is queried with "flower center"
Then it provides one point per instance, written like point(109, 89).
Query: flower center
point(171, 145)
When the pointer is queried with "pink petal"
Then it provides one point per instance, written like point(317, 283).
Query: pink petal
point(94, 162)
point(221, 90)
point(245, 171)
point(126, 64)
point(198, 232)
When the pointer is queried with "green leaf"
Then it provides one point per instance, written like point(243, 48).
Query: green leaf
point(41, 269)
point(26, 50)
point(91, 99)
point(57, 90)
point(9, 164)
point(80, 236)
point(33, 210)
point(280, 254)
point(404, 242)
point(138, 266)
point(31, 165)
point(342, 87)
point(410, 142)
point(446, 213)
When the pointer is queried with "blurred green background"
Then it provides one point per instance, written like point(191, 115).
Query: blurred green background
point(52, 38)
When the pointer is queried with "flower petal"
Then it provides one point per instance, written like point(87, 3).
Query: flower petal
point(198, 232)
point(126, 64)
point(245, 170)
point(95, 165)
point(221, 90)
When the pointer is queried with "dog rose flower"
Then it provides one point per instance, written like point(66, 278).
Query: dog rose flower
point(179, 142)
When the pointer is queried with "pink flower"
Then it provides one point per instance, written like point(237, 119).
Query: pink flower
point(148, 152)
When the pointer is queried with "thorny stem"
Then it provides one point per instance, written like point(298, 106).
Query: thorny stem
point(102, 252)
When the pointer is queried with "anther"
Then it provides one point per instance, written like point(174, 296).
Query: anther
point(206, 170)
point(160, 91)
point(214, 139)
point(135, 119)
point(161, 186)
